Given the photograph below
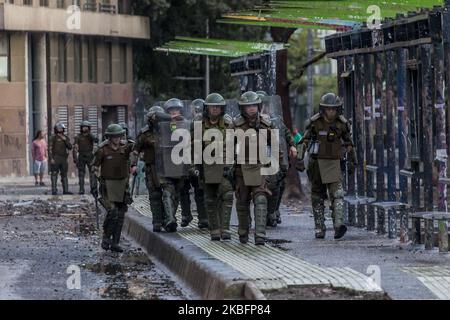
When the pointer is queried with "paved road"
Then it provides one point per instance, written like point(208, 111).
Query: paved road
point(42, 240)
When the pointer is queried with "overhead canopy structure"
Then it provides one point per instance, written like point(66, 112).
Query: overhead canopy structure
point(217, 47)
point(322, 14)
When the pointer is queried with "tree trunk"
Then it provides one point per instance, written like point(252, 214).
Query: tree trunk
point(293, 187)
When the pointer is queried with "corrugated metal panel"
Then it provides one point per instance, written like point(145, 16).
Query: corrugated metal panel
point(63, 115)
point(78, 118)
point(121, 114)
point(93, 119)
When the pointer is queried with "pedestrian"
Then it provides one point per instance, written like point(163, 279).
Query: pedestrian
point(40, 156)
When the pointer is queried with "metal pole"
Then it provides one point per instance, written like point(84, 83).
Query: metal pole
point(427, 122)
point(441, 128)
point(207, 65)
point(379, 137)
point(310, 44)
point(402, 138)
point(349, 101)
point(359, 135)
point(369, 131)
point(390, 138)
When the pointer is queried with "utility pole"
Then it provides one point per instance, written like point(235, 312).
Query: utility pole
point(310, 90)
point(207, 64)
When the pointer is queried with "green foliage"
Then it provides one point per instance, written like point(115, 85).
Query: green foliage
point(170, 18)
point(298, 56)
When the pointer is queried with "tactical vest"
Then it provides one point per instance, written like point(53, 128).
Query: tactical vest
point(115, 163)
point(59, 147)
point(329, 137)
point(85, 143)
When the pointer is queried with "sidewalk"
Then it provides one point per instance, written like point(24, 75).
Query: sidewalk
point(363, 262)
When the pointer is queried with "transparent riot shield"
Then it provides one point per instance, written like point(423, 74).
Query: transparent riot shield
point(272, 107)
point(232, 108)
point(188, 111)
point(172, 163)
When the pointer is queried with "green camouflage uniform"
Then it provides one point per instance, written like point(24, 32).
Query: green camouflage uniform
point(146, 143)
point(58, 151)
point(217, 187)
point(324, 169)
point(114, 178)
point(83, 156)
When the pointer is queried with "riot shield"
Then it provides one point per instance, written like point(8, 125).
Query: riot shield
point(232, 108)
point(272, 106)
point(166, 165)
point(188, 111)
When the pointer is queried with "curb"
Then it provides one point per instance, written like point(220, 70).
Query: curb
point(209, 278)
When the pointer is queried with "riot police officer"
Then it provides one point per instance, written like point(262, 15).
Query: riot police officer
point(193, 181)
point(250, 183)
point(83, 153)
point(215, 177)
point(146, 144)
point(173, 186)
point(111, 165)
point(325, 135)
point(58, 152)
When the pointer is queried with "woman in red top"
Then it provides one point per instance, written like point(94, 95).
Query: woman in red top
point(39, 153)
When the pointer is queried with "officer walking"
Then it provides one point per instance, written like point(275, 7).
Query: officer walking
point(59, 147)
point(193, 182)
point(250, 184)
point(111, 165)
point(146, 144)
point(325, 135)
point(173, 186)
point(83, 153)
point(215, 177)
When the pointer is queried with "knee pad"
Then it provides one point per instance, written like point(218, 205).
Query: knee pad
point(260, 199)
point(339, 194)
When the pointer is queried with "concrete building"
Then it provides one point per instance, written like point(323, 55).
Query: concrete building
point(63, 60)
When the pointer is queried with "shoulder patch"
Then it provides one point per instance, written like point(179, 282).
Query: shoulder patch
point(316, 117)
point(103, 144)
point(239, 120)
point(343, 119)
point(265, 119)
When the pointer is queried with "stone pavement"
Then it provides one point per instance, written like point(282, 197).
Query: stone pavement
point(362, 261)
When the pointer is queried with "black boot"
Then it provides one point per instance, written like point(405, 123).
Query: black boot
point(186, 220)
point(340, 232)
point(54, 180)
point(116, 239)
point(65, 184)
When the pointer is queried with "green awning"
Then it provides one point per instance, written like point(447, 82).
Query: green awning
point(217, 47)
point(321, 14)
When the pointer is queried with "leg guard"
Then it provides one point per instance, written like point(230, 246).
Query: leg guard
point(260, 201)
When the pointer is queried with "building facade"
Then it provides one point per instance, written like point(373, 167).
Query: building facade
point(63, 60)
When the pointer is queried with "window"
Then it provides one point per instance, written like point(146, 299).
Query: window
point(123, 63)
point(78, 59)
point(62, 58)
point(63, 116)
point(43, 3)
point(108, 62)
point(27, 2)
point(60, 4)
point(78, 118)
point(93, 119)
point(4, 57)
point(92, 61)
